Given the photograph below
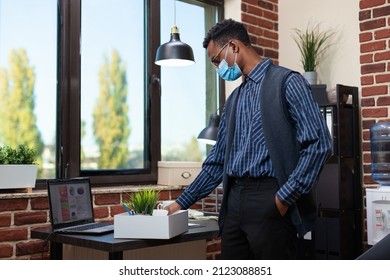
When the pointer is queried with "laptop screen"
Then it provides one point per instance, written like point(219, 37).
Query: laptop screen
point(70, 202)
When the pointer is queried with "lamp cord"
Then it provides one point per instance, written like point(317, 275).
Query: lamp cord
point(174, 12)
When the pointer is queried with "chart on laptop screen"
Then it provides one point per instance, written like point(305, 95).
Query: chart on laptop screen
point(71, 202)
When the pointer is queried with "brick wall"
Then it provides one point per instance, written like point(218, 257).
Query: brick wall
point(261, 20)
point(21, 213)
point(374, 38)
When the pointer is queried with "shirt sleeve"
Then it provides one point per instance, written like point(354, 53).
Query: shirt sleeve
point(211, 174)
point(313, 136)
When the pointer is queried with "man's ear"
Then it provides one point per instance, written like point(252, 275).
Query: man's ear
point(234, 45)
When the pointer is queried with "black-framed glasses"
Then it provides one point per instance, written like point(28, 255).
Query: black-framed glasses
point(215, 59)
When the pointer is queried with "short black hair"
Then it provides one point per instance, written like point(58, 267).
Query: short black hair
point(226, 30)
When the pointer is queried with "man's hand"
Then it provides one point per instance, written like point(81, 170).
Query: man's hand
point(172, 208)
point(281, 207)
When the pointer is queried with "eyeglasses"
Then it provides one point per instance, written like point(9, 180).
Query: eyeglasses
point(215, 60)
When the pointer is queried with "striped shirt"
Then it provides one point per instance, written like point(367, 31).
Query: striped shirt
point(249, 156)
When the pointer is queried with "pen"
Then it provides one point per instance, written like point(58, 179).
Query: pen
point(127, 209)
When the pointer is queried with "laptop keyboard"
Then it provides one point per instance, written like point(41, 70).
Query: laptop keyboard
point(91, 226)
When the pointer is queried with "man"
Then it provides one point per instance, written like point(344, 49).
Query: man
point(260, 216)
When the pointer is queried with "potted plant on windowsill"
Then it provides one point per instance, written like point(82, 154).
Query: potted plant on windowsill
point(18, 168)
point(312, 43)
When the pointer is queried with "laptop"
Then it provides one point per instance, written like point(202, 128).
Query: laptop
point(71, 209)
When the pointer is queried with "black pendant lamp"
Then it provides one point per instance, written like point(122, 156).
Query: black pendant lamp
point(175, 52)
point(209, 134)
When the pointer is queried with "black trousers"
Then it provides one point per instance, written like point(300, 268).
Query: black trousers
point(253, 227)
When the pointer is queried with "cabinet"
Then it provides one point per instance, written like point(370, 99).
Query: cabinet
point(338, 232)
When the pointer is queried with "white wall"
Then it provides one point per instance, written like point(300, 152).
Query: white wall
point(341, 63)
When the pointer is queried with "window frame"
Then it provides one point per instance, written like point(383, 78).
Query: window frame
point(69, 98)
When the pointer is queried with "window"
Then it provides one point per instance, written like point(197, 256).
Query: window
point(87, 68)
point(28, 78)
point(189, 95)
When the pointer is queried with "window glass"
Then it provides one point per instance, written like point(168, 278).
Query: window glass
point(188, 94)
point(28, 78)
point(112, 84)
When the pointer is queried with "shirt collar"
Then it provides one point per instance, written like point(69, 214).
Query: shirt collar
point(257, 73)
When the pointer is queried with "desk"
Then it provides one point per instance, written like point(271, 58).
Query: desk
point(116, 246)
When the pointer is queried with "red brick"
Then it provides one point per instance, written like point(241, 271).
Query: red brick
point(6, 250)
point(13, 204)
point(251, 2)
point(367, 102)
point(250, 9)
point(367, 80)
point(383, 78)
point(30, 247)
point(373, 68)
point(266, 5)
point(373, 46)
point(40, 203)
point(366, 135)
point(365, 37)
point(366, 124)
point(364, 15)
point(249, 19)
point(367, 179)
point(381, 12)
point(372, 24)
point(101, 212)
point(375, 113)
point(273, 54)
point(367, 157)
point(253, 30)
point(164, 195)
point(383, 101)
point(374, 90)
point(5, 220)
point(271, 16)
point(271, 35)
point(116, 210)
point(382, 34)
point(382, 56)
point(366, 58)
point(266, 24)
point(13, 234)
point(25, 218)
point(175, 194)
point(364, 4)
point(366, 146)
point(110, 198)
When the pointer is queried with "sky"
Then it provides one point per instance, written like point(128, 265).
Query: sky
point(105, 27)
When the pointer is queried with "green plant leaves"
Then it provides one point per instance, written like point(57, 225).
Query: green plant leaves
point(142, 202)
point(311, 43)
point(20, 155)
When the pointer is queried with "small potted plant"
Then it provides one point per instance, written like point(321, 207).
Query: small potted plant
point(18, 168)
point(312, 43)
point(142, 202)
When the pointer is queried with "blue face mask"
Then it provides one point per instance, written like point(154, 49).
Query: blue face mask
point(228, 73)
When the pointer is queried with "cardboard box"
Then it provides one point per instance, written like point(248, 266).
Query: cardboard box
point(177, 173)
point(150, 227)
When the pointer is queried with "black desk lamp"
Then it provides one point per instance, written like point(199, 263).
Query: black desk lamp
point(209, 134)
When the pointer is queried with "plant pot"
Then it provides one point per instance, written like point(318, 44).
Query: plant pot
point(311, 77)
point(18, 176)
